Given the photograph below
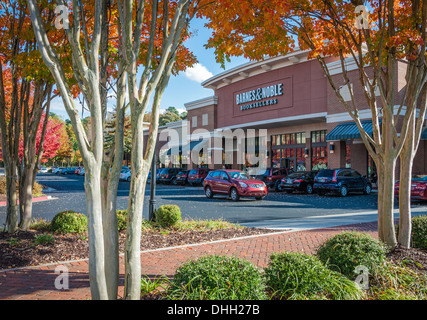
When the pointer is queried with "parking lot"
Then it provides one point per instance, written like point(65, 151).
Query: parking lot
point(277, 210)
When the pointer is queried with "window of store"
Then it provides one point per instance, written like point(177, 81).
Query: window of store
point(319, 152)
point(288, 151)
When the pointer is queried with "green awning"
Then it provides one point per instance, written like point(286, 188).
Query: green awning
point(349, 130)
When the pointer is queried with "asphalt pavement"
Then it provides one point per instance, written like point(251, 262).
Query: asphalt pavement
point(277, 211)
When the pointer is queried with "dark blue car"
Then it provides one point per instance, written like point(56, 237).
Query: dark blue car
point(341, 181)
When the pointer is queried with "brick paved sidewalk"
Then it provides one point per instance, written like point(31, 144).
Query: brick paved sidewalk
point(38, 283)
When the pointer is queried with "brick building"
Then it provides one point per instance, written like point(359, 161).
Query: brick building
point(288, 97)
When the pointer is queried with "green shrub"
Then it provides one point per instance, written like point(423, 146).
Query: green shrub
point(218, 278)
point(419, 232)
point(43, 239)
point(168, 215)
point(69, 222)
point(122, 219)
point(345, 251)
point(298, 276)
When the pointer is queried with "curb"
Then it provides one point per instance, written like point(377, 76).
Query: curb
point(38, 199)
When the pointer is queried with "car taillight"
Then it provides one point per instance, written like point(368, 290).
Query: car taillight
point(269, 178)
point(167, 176)
point(421, 186)
point(334, 178)
point(298, 181)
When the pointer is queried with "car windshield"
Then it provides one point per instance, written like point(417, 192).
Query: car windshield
point(164, 171)
point(419, 178)
point(239, 175)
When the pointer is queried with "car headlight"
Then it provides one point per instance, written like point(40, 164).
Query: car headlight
point(242, 184)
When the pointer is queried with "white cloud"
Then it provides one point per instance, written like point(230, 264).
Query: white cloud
point(198, 73)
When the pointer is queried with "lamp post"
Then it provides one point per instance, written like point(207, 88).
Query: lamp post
point(153, 182)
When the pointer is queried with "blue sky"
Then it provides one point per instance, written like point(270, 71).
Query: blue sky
point(186, 86)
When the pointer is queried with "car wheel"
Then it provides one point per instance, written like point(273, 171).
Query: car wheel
point(128, 179)
point(234, 194)
point(208, 192)
point(65, 172)
point(343, 191)
point(309, 189)
point(174, 181)
point(277, 186)
point(368, 189)
point(260, 198)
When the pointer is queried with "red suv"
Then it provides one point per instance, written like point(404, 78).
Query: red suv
point(272, 177)
point(196, 176)
point(234, 183)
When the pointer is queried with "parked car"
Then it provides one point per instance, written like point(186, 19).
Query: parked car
point(182, 177)
point(43, 170)
point(66, 171)
point(82, 172)
point(341, 181)
point(418, 187)
point(125, 174)
point(57, 170)
point(299, 181)
point(235, 183)
point(271, 176)
point(78, 170)
point(168, 175)
point(196, 176)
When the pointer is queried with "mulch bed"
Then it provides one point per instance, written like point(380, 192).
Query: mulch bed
point(18, 249)
point(415, 259)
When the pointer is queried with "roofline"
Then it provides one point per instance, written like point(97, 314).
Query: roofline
point(248, 69)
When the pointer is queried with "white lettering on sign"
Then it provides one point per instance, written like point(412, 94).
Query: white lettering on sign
point(260, 94)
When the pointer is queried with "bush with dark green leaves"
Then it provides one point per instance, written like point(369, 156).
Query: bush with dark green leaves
point(69, 222)
point(419, 232)
point(168, 215)
point(348, 250)
point(299, 276)
point(217, 278)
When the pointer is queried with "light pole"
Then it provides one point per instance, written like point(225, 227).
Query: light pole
point(153, 182)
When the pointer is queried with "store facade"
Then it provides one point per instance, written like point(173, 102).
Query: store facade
point(287, 100)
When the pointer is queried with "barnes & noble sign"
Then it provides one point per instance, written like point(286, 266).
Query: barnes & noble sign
point(260, 97)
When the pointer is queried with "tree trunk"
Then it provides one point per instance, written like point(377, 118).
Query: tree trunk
point(12, 199)
point(26, 197)
point(406, 160)
point(97, 277)
point(134, 218)
point(387, 205)
point(110, 182)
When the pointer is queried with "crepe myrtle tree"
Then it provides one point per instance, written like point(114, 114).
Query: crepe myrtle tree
point(377, 41)
point(88, 35)
point(142, 33)
point(153, 32)
point(25, 95)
